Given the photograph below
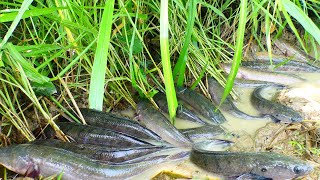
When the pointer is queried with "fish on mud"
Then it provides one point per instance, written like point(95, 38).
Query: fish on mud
point(182, 111)
point(102, 153)
point(203, 132)
point(216, 92)
point(292, 51)
point(201, 104)
point(277, 111)
point(87, 134)
point(117, 123)
point(159, 124)
point(277, 66)
point(250, 74)
point(265, 165)
point(36, 160)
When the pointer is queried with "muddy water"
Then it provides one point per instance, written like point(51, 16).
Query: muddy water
point(246, 129)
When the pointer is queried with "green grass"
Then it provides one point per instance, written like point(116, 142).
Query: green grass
point(106, 54)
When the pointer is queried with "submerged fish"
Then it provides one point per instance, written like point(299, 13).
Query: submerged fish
point(182, 111)
point(216, 92)
point(95, 135)
point(201, 104)
point(276, 110)
point(158, 123)
point(258, 164)
point(246, 73)
point(102, 153)
point(203, 132)
point(36, 160)
point(117, 123)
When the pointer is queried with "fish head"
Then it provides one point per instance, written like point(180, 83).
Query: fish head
point(15, 159)
point(279, 167)
point(287, 116)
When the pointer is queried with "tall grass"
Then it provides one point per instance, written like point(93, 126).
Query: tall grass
point(109, 51)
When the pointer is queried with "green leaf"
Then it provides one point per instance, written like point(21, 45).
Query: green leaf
point(165, 59)
point(29, 13)
point(180, 66)
point(30, 71)
point(44, 89)
point(96, 92)
point(302, 18)
point(237, 56)
point(24, 7)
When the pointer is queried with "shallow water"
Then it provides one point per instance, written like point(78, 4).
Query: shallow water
point(241, 127)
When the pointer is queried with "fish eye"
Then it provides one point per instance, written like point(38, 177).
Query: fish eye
point(297, 170)
point(263, 169)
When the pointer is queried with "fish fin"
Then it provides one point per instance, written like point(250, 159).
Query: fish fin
point(250, 176)
point(274, 119)
point(33, 170)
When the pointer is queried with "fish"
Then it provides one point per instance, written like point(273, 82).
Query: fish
point(203, 132)
point(292, 51)
point(277, 66)
point(213, 144)
point(277, 111)
point(261, 164)
point(182, 111)
point(87, 134)
point(159, 124)
point(36, 160)
point(201, 104)
point(250, 74)
point(102, 153)
point(117, 123)
point(216, 93)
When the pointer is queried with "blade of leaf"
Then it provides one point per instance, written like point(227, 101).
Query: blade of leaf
point(100, 60)
point(237, 56)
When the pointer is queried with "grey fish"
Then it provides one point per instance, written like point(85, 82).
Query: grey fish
point(261, 164)
point(203, 132)
point(201, 104)
point(99, 136)
point(216, 92)
point(292, 51)
point(101, 153)
point(213, 145)
point(117, 123)
point(250, 74)
point(158, 123)
point(290, 66)
point(182, 111)
point(35, 160)
point(277, 111)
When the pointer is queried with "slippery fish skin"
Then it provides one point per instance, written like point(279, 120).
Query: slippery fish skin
point(276, 110)
point(203, 132)
point(290, 66)
point(117, 123)
point(95, 135)
point(250, 74)
point(34, 160)
point(201, 104)
point(216, 92)
point(263, 164)
point(101, 153)
point(158, 123)
point(182, 111)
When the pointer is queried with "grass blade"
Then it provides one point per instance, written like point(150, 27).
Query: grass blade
point(100, 60)
point(24, 6)
point(180, 67)
point(239, 45)
point(165, 59)
point(302, 18)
